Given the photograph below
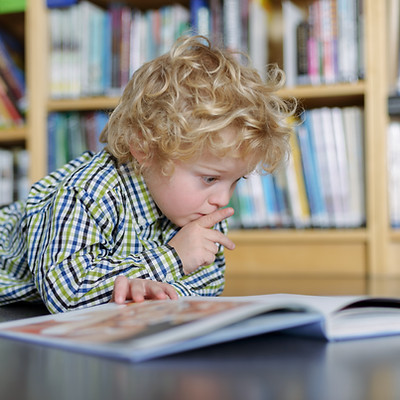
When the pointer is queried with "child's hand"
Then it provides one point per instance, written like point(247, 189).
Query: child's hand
point(197, 244)
point(139, 290)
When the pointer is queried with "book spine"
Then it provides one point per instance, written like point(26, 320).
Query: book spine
point(354, 135)
point(14, 116)
point(116, 12)
point(312, 189)
point(315, 127)
point(55, 53)
point(347, 40)
point(296, 185)
point(327, 23)
point(335, 189)
point(258, 36)
point(342, 170)
point(292, 17)
point(360, 38)
point(270, 200)
point(21, 174)
point(281, 191)
point(101, 119)
point(200, 17)
point(312, 47)
point(126, 20)
point(95, 60)
point(260, 216)
point(302, 40)
point(11, 72)
point(106, 52)
point(393, 157)
point(232, 24)
point(216, 22)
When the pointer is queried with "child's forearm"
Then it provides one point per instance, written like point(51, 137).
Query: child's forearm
point(81, 281)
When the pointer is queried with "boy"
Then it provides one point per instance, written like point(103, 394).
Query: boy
point(146, 215)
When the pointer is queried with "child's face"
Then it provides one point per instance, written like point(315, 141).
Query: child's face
point(195, 188)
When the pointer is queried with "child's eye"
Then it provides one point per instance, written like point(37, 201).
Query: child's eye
point(209, 179)
point(242, 177)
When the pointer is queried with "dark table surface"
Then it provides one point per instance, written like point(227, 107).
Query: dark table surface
point(264, 367)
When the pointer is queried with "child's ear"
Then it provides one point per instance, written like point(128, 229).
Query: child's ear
point(137, 154)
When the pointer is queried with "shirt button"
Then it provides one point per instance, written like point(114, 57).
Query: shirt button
point(141, 221)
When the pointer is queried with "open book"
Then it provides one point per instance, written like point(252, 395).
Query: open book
point(140, 331)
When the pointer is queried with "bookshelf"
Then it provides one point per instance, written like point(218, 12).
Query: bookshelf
point(265, 253)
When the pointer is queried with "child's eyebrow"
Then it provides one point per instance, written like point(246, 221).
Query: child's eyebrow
point(206, 169)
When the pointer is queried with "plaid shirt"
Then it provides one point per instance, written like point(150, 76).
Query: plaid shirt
point(81, 227)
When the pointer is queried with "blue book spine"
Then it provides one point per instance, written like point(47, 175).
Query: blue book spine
point(323, 214)
point(12, 73)
point(270, 199)
point(60, 3)
point(282, 201)
point(51, 145)
point(200, 17)
point(106, 52)
point(314, 198)
point(101, 119)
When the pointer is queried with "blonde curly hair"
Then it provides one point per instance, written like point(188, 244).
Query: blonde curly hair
point(174, 107)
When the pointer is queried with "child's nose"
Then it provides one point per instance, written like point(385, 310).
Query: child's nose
point(220, 198)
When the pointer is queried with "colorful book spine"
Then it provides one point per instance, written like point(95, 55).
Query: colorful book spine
point(10, 111)
point(200, 17)
point(10, 71)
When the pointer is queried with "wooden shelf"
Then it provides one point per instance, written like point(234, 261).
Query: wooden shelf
point(342, 94)
point(299, 236)
point(83, 104)
point(11, 135)
point(336, 91)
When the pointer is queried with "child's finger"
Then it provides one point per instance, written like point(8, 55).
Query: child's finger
point(161, 291)
point(219, 237)
point(208, 221)
point(121, 289)
point(171, 292)
point(138, 290)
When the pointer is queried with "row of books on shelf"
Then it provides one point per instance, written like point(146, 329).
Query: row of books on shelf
point(71, 133)
point(323, 44)
point(14, 182)
point(322, 184)
point(94, 51)
point(12, 82)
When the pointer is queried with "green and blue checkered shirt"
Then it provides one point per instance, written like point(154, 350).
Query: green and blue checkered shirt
point(81, 227)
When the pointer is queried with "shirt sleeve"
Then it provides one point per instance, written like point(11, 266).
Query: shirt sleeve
point(208, 280)
point(77, 246)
